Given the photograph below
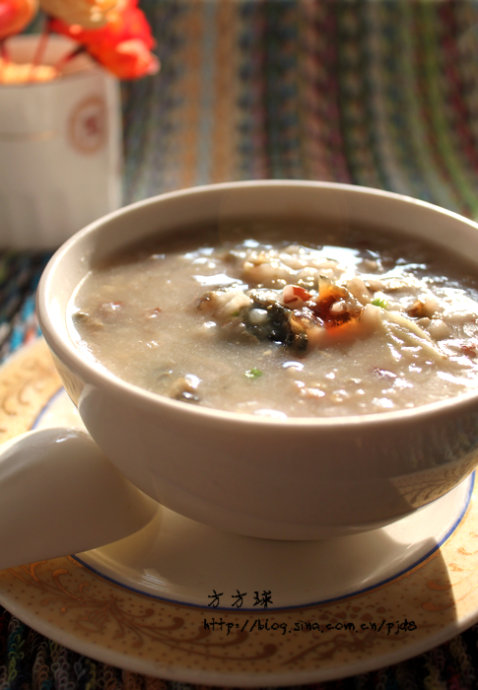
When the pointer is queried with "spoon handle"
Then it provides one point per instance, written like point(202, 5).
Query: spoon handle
point(60, 495)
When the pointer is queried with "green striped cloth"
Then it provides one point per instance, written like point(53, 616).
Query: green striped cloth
point(381, 93)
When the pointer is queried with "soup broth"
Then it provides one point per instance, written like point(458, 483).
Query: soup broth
point(275, 320)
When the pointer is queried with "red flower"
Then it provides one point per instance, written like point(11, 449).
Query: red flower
point(123, 45)
point(15, 15)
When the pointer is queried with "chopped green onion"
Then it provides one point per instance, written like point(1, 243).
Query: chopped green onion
point(253, 373)
point(379, 302)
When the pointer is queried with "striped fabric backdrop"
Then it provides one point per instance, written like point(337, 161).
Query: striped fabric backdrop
point(19, 276)
point(375, 92)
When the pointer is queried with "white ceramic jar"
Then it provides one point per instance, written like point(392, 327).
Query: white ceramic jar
point(60, 149)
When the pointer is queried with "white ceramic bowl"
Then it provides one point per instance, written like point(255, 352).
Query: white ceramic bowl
point(292, 479)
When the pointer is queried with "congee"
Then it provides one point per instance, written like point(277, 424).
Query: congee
point(277, 320)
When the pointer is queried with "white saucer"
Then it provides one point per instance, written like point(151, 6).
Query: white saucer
point(179, 560)
point(165, 602)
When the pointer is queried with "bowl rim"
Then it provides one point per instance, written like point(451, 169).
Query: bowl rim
point(95, 373)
